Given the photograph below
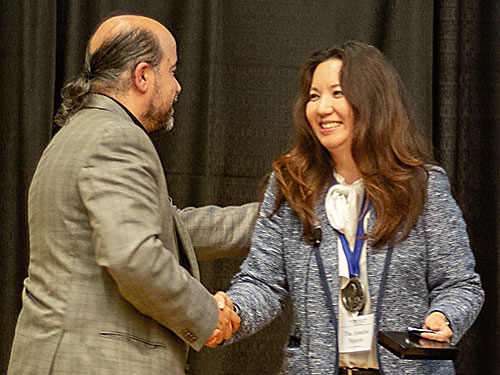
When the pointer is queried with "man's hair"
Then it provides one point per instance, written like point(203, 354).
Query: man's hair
point(103, 69)
point(387, 147)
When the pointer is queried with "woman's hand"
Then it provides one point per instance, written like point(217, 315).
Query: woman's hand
point(437, 322)
point(228, 323)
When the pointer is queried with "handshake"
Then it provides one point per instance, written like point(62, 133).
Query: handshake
point(228, 323)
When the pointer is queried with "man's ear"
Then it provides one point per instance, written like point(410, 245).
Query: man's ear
point(143, 77)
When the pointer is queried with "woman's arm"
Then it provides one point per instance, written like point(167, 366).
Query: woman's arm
point(260, 287)
point(454, 287)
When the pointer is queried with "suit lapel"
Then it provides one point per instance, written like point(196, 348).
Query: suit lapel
point(328, 250)
point(375, 262)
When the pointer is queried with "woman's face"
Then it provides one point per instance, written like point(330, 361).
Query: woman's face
point(328, 111)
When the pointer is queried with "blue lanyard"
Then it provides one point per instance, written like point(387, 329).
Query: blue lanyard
point(353, 256)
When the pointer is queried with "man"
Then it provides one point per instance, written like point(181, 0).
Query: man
point(113, 285)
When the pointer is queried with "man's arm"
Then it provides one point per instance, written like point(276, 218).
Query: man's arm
point(220, 232)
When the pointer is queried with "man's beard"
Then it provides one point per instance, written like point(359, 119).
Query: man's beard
point(161, 119)
point(167, 126)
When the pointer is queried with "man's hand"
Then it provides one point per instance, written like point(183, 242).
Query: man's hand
point(228, 323)
point(437, 322)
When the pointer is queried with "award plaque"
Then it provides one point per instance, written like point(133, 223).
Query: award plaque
point(409, 346)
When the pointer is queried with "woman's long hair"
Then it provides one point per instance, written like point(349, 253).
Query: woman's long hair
point(387, 147)
point(103, 69)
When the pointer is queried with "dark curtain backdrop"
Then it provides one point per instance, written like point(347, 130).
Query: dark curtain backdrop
point(239, 62)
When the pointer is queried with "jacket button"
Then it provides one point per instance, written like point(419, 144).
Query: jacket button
point(189, 335)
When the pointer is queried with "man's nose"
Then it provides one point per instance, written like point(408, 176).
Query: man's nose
point(179, 88)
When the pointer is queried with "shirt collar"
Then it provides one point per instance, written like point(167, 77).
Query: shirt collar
point(134, 119)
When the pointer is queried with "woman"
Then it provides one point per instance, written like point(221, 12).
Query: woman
point(358, 227)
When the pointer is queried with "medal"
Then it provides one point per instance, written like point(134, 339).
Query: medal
point(353, 295)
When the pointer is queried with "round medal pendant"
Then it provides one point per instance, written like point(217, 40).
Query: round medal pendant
point(353, 295)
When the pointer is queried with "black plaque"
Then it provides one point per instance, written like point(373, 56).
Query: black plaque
point(408, 346)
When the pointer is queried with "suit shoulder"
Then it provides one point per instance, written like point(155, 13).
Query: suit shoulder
point(438, 180)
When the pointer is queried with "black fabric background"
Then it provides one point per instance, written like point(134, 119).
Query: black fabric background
point(239, 62)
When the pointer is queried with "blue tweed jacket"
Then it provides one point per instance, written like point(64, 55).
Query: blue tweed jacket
point(432, 269)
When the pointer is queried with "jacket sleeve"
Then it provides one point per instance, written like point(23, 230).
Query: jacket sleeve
point(454, 286)
point(119, 186)
point(260, 288)
point(220, 232)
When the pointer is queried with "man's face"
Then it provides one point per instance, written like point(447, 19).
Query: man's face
point(159, 114)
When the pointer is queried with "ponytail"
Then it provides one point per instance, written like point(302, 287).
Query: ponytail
point(74, 95)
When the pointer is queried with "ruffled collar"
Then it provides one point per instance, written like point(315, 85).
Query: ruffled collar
point(343, 204)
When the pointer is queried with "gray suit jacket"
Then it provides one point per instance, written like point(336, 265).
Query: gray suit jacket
point(113, 284)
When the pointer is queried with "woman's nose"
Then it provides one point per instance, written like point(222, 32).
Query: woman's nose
point(325, 106)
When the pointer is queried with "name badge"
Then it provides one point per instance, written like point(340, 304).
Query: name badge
point(356, 333)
